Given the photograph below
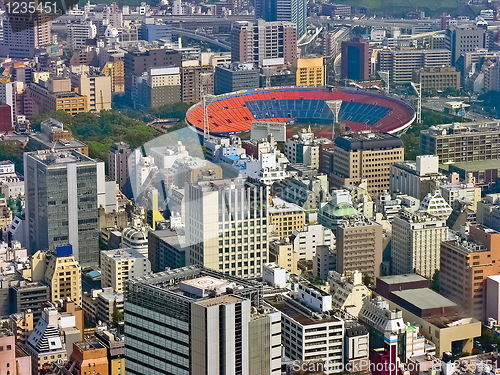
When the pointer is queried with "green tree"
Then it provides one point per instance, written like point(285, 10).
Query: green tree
point(13, 151)
point(435, 286)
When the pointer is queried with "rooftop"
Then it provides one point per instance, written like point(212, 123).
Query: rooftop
point(300, 314)
point(398, 279)
point(474, 166)
point(49, 157)
point(424, 298)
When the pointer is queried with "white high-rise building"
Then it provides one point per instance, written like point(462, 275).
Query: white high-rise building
point(227, 226)
point(120, 265)
point(416, 243)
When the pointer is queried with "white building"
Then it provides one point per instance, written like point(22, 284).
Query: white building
point(304, 148)
point(274, 275)
point(120, 265)
point(416, 178)
point(314, 298)
point(305, 241)
point(461, 192)
point(434, 204)
point(308, 336)
point(416, 243)
point(135, 238)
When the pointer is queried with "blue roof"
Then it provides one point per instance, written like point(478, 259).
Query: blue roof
point(94, 274)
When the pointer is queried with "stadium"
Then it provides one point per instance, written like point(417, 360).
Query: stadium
point(360, 111)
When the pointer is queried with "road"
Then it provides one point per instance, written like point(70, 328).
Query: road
point(437, 104)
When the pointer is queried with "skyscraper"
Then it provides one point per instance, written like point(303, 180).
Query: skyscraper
point(227, 226)
point(355, 63)
point(63, 192)
point(194, 320)
point(284, 10)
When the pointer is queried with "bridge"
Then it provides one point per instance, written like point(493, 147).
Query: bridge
point(202, 37)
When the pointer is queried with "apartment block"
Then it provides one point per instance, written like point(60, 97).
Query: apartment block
point(359, 246)
point(61, 272)
point(41, 99)
point(305, 148)
point(465, 266)
point(464, 142)
point(256, 42)
point(96, 87)
point(416, 243)
point(309, 335)
point(196, 81)
point(311, 72)
point(120, 265)
point(366, 156)
point(416, 178)
point(400, 63)
point(138, 61)
point(286, 217)
point(158, 87)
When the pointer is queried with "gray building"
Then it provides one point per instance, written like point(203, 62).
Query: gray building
point(63, 191)
point(26, 295)
point(166, 249)
point(194, 320)
point(235, 77)
point(464, 38)
point(118, 166)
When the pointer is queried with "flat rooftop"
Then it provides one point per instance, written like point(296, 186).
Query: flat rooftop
point(424, 298)
point(398, 279)
point(221, 300)
point(475, 166)
point(297, 314)
point(49, 157)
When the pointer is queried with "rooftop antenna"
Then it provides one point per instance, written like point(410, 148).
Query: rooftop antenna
point(334, 106)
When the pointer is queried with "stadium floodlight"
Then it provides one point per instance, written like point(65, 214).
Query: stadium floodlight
point(334, 106)
point(385, 77)
point(418, 89)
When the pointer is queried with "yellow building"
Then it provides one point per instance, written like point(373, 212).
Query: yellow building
point(116, 71)
point(61, 272)
point(285, 217)
point(282, 253)
point(311, 72)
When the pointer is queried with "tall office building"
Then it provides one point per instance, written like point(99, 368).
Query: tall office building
point(227, 226)
point(464, 38)
point(63, 190)
point(355, 61)
point(254, 42)
point(194, 320)
point(416, 241)
point(118, 166)
point(368, 157)
point(359, 246)
point(284, 10)
point(23, 34)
